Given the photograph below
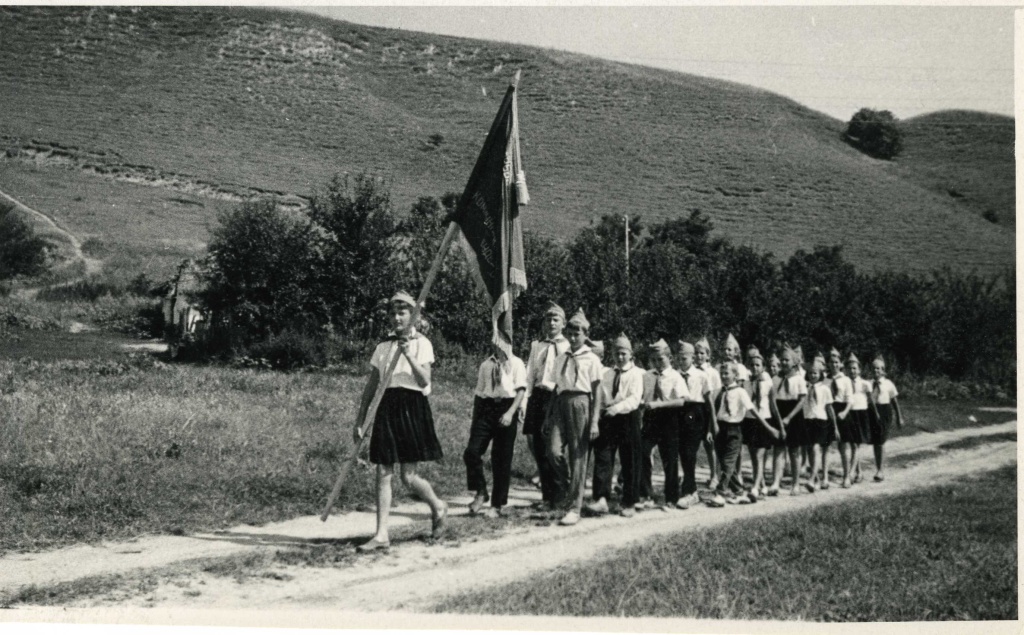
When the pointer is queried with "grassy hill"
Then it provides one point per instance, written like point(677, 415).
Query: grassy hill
point(212, 105)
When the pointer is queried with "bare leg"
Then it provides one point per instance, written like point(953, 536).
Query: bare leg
point(824, 465)
point(854, 462)
point(384, 474)
point(757, 465)
point(879, 457)
point(709, 448)
point(778, 462)
point(814, 451)
point(844, 454)
point(794, 468)
point(418, 484)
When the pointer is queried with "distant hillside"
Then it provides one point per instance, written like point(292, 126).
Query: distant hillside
point(218, 104)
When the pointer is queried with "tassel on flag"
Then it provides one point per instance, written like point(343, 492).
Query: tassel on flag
point(488, 216)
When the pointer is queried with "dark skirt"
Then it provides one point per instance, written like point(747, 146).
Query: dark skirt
point(796, 435)
point(750, 431)
point(880, 425)
point(855, 428)
point(819, 431)
point(861, 427)
point(536, 409)
point(403, 431)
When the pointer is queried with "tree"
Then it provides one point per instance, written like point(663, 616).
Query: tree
point(876, 133)
point(21, 252)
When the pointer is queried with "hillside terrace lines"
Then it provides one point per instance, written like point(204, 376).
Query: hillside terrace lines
point(107, 165)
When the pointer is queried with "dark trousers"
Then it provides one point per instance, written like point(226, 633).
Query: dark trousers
point(486, 427)
point(693, 430)
point(728, 445)
point(621, 434)
point(661, 430)
point(533, 423)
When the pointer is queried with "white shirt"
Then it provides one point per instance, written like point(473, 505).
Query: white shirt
point(733, 404)
point(883, 391)
point(420, 349)
point(792, 388)
point(763, 408)
point(818, 396)
point(540, 369)
point(667, 384)
point(631, 390)
point(842, 388)
point(698, 383)
point(714, 378)
point(742, 372)
point(860, 392)
point(511, 377)
point(577, 372)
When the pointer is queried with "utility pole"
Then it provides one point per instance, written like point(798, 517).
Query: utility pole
point(627, 249)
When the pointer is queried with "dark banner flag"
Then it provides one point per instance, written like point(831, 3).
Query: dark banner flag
point(488, 217)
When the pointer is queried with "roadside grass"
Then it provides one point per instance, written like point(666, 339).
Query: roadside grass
point(942, 553)
point(153, 95)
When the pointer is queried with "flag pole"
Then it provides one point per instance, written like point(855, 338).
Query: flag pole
point(366, 425)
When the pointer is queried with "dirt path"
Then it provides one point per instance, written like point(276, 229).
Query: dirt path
point(414, 575)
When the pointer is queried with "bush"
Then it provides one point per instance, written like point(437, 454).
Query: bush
point(289, 350)
point(21, 252)
point(875, 132)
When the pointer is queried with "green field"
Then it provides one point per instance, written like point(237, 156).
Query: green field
point(102, 104)
point(952, 550)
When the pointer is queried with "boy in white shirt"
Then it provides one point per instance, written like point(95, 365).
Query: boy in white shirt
point(699, 425)
point(619, 431)
point(734, 405)
point(540, 385)
point(571, 421)
point(665, 394)
point(842, 394)
point(500, 388)
point(859, 421)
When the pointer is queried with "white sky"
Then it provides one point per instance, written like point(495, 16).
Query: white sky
point(910, 60)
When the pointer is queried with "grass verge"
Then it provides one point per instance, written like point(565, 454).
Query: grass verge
point(951, 548)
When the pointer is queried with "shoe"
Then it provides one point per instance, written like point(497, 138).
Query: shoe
point(845, 484)
point(373, 545)
point(599, 507)
point(570, 519)
point(879, 478)
point(753, 495)
point(716, 501)
point(477, 504)
point(683, 503)
point(713, 483)
point(627, 512)
point(824, 484)
point(492, 512)
point(736, 500)
point(858, 478)
point(647, 504)
point(439, 523)
point(811, 487)
point(772, 491)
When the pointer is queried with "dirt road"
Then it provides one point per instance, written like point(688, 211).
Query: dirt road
point(414, 575)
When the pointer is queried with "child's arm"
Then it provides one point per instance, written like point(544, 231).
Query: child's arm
point(899, 415)
point(832, 417)
point(712, 417)
point(799, 408)
point(421, 372)
point(595, 407)
point(846, 411)
point(764, 423)
point(364, 402)
point(775, 412)
point(509, 416)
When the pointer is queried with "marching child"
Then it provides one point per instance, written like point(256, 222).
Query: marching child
point(619, 431)
point(859, 425)
point(774, 367)
point(665, 395)
point(732, 353)
point(819, 419)
point(734, 405)
point(758, 438)
point(699, 424)
point(540, 384)
point(403, 429)
point(703, 357)
point(571, 421)
point(842, 393)
point(883, 396)
point(790, 402)
point(500, 388)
